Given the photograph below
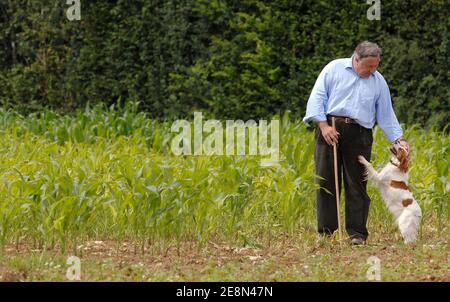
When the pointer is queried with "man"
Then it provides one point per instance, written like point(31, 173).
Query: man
point(353, 91)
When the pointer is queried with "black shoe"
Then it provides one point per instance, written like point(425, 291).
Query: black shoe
point(358, 241)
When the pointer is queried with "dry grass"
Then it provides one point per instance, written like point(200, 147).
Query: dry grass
point(300, 257)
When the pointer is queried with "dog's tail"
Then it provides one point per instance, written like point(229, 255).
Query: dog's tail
point(408, 222)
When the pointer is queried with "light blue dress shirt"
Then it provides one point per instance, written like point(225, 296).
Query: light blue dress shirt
point(340, 91)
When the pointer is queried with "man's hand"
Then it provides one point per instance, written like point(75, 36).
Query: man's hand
point(330, 135)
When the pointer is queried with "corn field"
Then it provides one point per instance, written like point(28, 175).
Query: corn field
point(109, 173)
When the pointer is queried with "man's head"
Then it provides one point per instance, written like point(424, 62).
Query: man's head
point(366, 58)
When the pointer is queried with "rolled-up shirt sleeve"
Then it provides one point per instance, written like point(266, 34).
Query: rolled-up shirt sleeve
point(385, 114)
point(315, 109)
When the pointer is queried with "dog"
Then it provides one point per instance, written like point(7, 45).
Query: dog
point(392, 181)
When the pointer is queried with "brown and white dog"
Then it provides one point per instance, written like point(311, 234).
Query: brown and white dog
point(392, 181)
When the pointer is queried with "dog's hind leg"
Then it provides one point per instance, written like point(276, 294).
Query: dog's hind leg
point(408, 223)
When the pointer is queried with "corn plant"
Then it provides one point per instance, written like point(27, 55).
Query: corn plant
point(109, 173)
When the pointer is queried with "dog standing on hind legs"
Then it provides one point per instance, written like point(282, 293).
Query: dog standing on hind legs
point(392, 181)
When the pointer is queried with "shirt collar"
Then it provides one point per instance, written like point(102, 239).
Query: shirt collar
point(349, 64)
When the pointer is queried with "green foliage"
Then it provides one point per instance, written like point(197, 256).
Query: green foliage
point(238, 59)
point(108, 173)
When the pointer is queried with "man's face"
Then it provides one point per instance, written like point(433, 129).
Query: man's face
point(365, 67)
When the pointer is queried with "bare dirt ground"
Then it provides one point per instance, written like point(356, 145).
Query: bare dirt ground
point(288, 260)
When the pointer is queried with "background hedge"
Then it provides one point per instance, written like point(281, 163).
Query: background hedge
point(230, 59)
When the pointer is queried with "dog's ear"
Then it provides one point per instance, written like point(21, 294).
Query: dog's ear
point(402, 157)
point(393, 150)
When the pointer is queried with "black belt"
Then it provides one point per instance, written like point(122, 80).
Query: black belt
point(342, 119)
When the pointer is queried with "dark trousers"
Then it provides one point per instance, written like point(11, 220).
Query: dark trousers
point(354, 140)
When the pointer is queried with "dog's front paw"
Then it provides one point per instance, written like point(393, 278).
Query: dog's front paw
point(365, 163)
point(365, 175)
point(362, 160)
